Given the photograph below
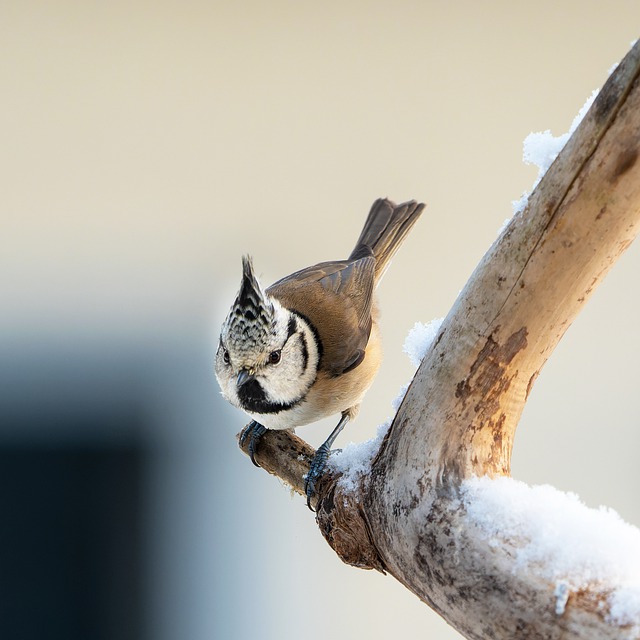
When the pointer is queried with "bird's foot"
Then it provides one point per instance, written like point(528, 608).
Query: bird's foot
point(254, 431)
point(319, 461)
point(316, 470)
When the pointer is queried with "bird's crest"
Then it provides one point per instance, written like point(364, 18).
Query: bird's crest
point(252, 319)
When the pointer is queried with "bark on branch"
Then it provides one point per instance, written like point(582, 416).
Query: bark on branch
point(459, 416)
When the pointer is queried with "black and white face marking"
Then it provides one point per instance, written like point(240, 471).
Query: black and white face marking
point(267, 358)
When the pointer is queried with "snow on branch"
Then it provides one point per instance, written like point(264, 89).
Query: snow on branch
point(555, 535)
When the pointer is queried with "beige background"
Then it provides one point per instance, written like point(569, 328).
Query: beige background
point(147, 146)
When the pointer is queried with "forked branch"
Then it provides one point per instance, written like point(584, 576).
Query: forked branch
point(458, 418)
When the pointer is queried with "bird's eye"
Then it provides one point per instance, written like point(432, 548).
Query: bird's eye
point(274, 357)
point(225, 357)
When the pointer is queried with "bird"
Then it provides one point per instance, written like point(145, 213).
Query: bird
point(309, 346)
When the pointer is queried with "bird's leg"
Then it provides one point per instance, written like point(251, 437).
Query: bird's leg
point(319, 461)
point(254, 431)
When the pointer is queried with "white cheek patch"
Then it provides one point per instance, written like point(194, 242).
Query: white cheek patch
point(290, 380)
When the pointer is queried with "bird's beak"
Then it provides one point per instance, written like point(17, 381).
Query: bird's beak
point(243, 377)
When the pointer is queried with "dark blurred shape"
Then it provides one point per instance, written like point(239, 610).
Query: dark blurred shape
point(70, 537)
point(72, 469)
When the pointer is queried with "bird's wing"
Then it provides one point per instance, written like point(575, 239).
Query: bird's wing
point(337, 298)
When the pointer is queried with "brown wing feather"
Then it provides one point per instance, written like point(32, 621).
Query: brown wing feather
point(337, 298)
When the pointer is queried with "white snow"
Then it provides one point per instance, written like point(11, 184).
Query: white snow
point(561, 593)
point(419, 339)
point(354, 460)
point(625, 606)
point(541, 148)
point(508, 220)
point(562, 540)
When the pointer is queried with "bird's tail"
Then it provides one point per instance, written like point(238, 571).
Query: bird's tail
point(385, 229)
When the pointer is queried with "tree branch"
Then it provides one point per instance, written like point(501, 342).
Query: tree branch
point(458, 418)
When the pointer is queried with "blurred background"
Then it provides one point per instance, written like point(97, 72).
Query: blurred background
point(144, 148)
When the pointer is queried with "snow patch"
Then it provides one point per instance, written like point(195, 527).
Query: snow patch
point(625, 606)
point(541, 148)
point(562, 540)
point(420, 338)
point(562, 596)
point(355, 459)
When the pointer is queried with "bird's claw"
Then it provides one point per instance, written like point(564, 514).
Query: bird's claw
point(254, 431)
point(316, 470)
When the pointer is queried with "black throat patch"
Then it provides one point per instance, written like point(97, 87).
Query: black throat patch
point(254, 400)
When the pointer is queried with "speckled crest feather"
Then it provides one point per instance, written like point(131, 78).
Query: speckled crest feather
point(251, 319)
